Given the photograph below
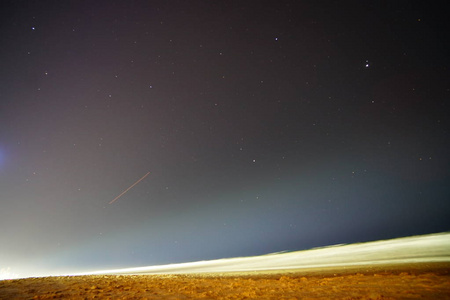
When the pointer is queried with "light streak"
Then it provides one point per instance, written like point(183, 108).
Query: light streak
point(115, 199)
point(407, 250)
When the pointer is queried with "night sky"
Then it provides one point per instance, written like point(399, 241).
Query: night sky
point(264, 125)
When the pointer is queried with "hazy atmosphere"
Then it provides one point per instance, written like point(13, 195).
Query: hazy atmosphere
point(136, 133)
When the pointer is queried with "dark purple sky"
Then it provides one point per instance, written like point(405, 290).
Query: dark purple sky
point(265, 127)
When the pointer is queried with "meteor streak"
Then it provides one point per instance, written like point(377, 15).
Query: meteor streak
point(115, 199)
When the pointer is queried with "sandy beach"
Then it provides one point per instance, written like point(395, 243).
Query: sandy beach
point(406, 281)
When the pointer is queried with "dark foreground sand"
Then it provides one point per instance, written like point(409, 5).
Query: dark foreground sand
point(412, 281)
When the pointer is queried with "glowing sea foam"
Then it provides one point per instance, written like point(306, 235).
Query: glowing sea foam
point(5, 273)
point(425, 248)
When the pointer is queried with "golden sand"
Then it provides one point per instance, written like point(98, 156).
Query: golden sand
point(414, 281)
